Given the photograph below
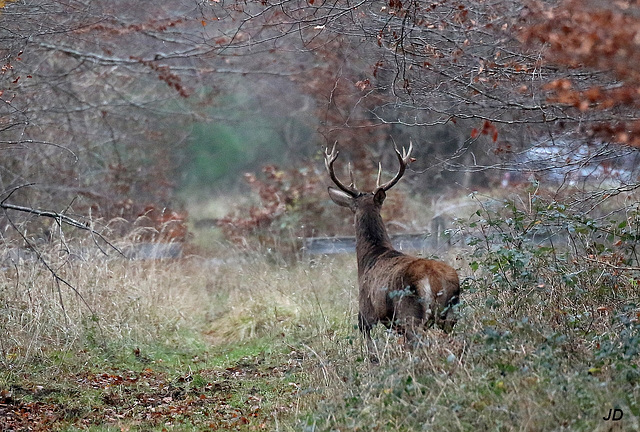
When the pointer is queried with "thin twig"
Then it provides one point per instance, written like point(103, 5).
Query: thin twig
point(60, 218)
point(613, 266)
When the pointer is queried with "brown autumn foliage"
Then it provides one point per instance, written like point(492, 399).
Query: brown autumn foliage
point(597, 36)
point(280, 193)
point(289, 208)
point(293, 204)
point(345, 99)
point(88, 126)
point(397, 70)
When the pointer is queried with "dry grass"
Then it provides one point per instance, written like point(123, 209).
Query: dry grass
point(100, 300)
point(536, 348)
point(104, 300)
point(257, 298)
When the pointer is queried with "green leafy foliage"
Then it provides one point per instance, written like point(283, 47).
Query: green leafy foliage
point(564, 278)
point(546, 243)
point(548, 335)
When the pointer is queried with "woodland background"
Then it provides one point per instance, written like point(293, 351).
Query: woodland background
point(202, 123)
point(117, 111)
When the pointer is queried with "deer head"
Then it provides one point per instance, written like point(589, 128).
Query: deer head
point(350, 196)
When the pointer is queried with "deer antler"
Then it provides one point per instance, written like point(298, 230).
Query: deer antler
point(329, 159)
point(404, 158)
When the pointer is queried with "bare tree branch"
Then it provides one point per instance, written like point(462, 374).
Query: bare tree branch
point(59, 218)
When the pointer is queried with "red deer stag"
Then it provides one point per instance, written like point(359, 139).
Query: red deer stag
point(398, 290)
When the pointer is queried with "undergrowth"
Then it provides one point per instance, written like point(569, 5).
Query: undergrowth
point(547, 338)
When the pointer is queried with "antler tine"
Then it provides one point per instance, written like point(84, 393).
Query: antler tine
point(353, 182)
point(329, 159)
point(404, 158)
point(379, 175)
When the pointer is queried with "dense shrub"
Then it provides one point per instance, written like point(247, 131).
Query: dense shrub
point(562, 274)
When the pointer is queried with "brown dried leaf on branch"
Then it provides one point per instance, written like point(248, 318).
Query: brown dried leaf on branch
point(603, 38)
point(289, 203)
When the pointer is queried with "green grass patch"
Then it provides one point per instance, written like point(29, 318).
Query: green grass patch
point(154, 388)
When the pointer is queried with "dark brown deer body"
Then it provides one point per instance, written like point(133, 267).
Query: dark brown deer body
point(398, 290)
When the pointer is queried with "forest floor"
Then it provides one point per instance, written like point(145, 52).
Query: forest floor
point(546, 341)
point(246, 388)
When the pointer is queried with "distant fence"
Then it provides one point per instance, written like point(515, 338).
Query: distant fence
point(162, 251)
point(415, 243)
point(337, 245)
point(425, 242)
point(136, 251)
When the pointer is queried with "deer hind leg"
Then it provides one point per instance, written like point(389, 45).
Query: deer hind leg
point(365, 327)
point(447, 317)
point(411, 319)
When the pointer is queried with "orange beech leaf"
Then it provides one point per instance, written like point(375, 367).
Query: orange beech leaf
point(363, 84)
point(593, 94)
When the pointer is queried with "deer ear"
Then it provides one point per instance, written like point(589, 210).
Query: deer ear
point(341, 198)
point(379, 196)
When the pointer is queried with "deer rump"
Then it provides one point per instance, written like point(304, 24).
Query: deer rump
point(407, 293)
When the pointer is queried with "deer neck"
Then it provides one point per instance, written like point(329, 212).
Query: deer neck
point(371, 239)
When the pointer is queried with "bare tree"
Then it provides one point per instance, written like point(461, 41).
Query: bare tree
point(471, 75)
point(98, 99)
